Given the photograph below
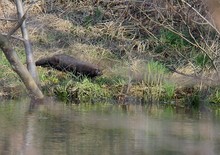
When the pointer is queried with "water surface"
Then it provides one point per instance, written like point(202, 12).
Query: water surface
point(105, 129)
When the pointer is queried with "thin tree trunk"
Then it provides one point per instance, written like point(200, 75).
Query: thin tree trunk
point(20, 69)
point(28, 48)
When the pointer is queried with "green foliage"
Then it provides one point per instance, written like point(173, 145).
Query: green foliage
point(3, 60)
point(194, 100)
point(174, 39)
point(153, 82)
point(155, 73)
point(202, 60)
point(159, 48)
point(169, 90)
point(215, 98)
point(48, 77)
point(7, 75)
point(93, 18)
point(87, 90)
point(49, 80)
point(113, 80)
point(64, 92)
point(83, 90)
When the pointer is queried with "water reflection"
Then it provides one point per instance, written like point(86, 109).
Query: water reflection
point(104, 129)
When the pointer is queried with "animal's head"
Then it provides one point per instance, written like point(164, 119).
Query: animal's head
point(95, 72)
point(98, 72)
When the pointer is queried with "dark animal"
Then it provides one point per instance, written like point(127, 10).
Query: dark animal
point(67, 63)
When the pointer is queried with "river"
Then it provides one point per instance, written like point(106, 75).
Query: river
point(105, 129)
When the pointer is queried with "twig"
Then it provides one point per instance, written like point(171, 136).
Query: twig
point(189, 75)
point(13, 36)
point(182, 36)
point(8, 19)
point(213, 64)
point(19, 23)
point(201, 16)
point(143, 27)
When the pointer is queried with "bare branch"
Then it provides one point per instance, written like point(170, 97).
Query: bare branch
point(13, 36)
point(189, 75)
point(201, 16)
point(183, 37)
point(20, 21)
point(8, 19)
point(28, 48)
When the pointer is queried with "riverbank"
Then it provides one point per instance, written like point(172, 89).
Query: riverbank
point(147, 52)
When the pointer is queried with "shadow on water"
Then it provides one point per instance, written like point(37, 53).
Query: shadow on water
point(55, 128)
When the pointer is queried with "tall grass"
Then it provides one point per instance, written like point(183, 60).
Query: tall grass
point(154, 81)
